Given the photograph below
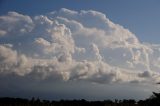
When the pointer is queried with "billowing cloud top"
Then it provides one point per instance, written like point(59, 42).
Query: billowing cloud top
point(68, 45)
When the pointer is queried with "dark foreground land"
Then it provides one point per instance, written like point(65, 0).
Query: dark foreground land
point(152, 101)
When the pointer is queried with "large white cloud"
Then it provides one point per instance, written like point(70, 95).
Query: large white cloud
point(70, 45)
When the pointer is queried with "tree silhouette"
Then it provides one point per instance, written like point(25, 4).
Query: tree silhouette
point(154, 100)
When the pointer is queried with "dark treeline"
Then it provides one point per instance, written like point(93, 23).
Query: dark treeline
point(154, 100)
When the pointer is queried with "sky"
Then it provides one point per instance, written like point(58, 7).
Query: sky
point(76, 49)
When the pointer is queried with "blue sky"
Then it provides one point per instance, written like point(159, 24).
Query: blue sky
point(140, 17)
point(74, 49)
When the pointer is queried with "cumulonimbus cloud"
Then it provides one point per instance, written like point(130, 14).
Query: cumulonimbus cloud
point(70, 45)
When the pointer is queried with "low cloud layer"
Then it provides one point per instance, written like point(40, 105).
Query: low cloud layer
point(70, 45)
